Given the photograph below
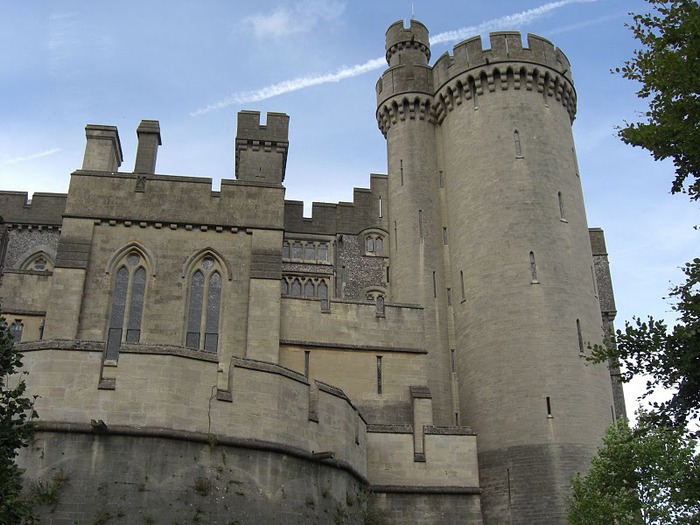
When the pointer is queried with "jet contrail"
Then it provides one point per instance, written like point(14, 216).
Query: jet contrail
point(288, 86)
point(31, 157)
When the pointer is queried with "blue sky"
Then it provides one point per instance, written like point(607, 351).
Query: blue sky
point(194, 65)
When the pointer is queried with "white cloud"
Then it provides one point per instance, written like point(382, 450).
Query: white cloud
point(299, 18)
point(288, 86)
point(33, 156)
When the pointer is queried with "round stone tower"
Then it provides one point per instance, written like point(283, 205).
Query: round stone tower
point(485, 143)
point(404, 100)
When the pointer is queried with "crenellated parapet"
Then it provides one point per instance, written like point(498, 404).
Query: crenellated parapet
point(472, 70)
point(407, 86)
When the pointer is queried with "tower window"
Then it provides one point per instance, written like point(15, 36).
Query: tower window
point(562, 216)
point(549, 407)
point(533, 268)
point(420, 223)
point(204, 306)
point(518, 146)
point(129, 289)
point(16, 330)
point(380, 206)
point(379, 375)
point(461, 279)
point(580, 336)
point(444, 236)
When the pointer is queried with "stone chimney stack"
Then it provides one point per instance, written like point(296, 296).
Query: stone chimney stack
point(103, 151)
point(148, 133)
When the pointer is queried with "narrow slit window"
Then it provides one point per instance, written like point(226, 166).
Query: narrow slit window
point(562, 216)
point(533, 268)
point(461, 279)
point(518, 145)
point(41, 330)
point(396, 236)
point(379, 375)
point(549, 407)
point(442, 179)
point(307, 358)
point(380, 206)
point(449, 297)
point(434, 285)
point(452, 360)
point(475, 95)
point(580, 336)
point(420, 223)
point(387, 274)
point(444, 236)
point(401, 169)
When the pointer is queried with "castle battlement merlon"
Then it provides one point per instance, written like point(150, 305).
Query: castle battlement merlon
point(103, 150)
point(261, 149)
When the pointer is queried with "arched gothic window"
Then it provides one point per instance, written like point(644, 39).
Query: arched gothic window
point(127, 303)
point(204, 306)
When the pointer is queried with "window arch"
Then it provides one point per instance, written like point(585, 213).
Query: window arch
point(204, 304)
point(38, 262)
point(373, 242)
point(128, 296)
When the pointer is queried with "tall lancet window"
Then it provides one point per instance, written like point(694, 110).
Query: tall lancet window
point(533, 268)
point(518, 145)
point(204, 306)
point(128, 298)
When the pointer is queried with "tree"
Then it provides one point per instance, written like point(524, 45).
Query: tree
point(16, 414)
point(671, 358)
point(648, 475)
point(668, 67)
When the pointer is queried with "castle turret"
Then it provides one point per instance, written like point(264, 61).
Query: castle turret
point(261, 149)
point(482, 161)
point(404, 101)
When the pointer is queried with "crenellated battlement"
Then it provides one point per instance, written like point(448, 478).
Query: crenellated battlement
point(506, 46)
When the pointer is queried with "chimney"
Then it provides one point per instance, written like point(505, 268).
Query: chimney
point(103, 151)
point(148, 133)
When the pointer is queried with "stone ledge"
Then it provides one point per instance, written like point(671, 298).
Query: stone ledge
point(62, 344)
point(353, 348)
point(448, 431)
point(179, 351)
point(415, 489)
point(264, 366)
point(389, 429)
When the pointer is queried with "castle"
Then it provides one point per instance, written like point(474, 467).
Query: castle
point(415, 356)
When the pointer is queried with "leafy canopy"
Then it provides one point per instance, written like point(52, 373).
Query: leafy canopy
point(668, 67)
point(671, 358)
point(649, 476)
point(16, 414)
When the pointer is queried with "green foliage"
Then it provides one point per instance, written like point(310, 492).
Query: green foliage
point(45, 492)
point(16, 414)
point(648, 476)
point(668, 67)
point(671, 358)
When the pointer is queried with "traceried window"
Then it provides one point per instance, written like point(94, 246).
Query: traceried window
point(127, 303)
point(305, 251)
point(306, 287)
point(39, 262)
point(204, 306)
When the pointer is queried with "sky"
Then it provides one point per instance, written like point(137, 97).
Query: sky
point(194, 65)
